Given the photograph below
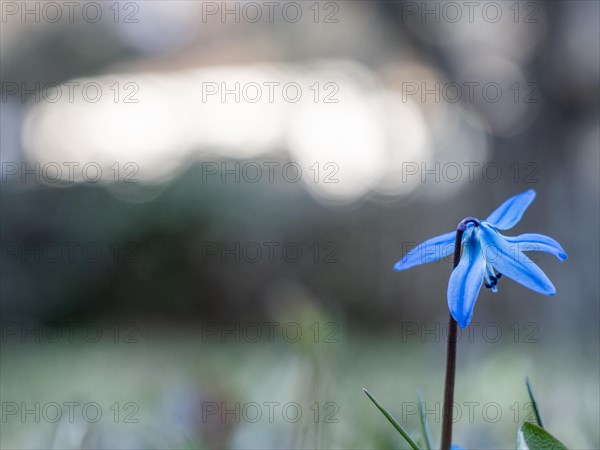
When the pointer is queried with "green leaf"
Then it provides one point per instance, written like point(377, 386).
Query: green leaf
point(533, 437)
point(536, 408)
point(424, 424)
point(393, 421)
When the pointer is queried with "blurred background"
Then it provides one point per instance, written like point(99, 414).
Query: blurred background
point(202, 202)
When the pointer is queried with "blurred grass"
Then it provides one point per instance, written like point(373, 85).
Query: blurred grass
point(171, 373)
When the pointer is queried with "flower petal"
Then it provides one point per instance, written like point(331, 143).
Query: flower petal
point(466, 279)
point(428, 251)
point(532, 242)
point(508, 260)
point(508, 214)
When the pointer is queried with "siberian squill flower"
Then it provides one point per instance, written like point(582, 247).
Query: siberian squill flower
point(487, 256)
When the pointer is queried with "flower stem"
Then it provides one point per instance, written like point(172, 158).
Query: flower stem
point(450, 362)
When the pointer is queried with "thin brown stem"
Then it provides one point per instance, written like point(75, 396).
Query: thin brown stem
point(450, 362)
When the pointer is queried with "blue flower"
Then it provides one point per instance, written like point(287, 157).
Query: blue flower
point(487, 256)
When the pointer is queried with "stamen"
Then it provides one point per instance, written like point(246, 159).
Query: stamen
point(491, 279)
point(495, 282)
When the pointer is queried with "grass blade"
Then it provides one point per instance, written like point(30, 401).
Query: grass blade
point(424, 424)
point(393, 421)
point(536, 408)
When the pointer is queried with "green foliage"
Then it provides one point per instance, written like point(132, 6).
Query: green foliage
point(424, 424)
point(530, 436)
point(536, 408)
point(533, 437)
point(393, 421)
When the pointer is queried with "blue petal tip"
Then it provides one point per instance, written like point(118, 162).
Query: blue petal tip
point(463, 322)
